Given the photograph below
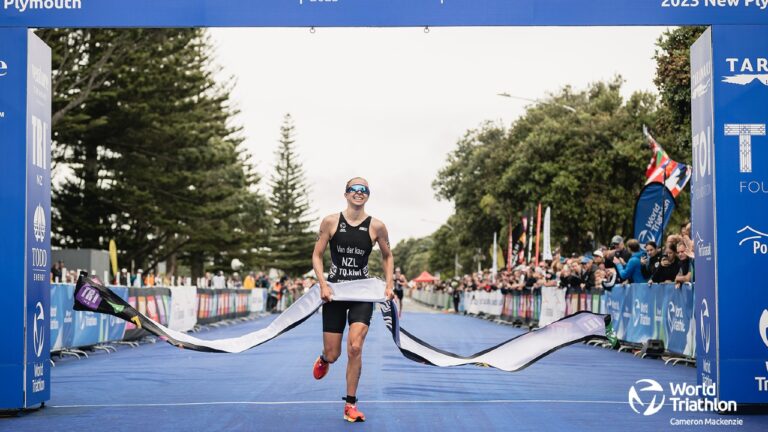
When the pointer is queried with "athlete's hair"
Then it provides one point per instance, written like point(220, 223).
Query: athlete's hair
point(349, 182)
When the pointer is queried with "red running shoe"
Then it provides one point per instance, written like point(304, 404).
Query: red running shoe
point(320, 368)
point(352, 415)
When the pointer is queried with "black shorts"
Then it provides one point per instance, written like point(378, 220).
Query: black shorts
point(399, 294)
point(336, 314)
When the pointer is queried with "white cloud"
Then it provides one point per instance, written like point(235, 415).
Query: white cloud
point(389, 104)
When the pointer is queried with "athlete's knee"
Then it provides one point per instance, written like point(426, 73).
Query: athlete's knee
point(331, 355)
point(355, 350)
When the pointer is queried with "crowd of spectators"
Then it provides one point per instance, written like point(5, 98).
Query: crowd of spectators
point(601, 269)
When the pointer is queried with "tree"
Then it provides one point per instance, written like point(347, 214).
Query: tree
point(154, 162)
point(291, 241)
point(673, 126)
point(588, 165)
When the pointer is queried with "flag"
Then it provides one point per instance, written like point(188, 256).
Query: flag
point(662, 169)
point(509, 246)
point(518, 235)
point(653, 209)
point(547, 252)
point(538, 233)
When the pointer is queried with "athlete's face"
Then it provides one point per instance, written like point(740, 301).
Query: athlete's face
point(357, 195)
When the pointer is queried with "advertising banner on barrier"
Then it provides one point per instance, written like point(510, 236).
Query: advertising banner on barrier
point(678, 329)
point(183, 315)
point(153, 302)
point(740, 71)
point(643, 307)
point(552, 305)
point(258, 300)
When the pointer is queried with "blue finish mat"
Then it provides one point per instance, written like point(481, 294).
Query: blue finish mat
point(159, 387)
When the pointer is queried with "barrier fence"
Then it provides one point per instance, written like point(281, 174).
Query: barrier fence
point(639, 312)
point(179, 308)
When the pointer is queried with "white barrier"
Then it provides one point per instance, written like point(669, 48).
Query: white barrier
point(257, 300)
point(552, 305)
point(183, 308)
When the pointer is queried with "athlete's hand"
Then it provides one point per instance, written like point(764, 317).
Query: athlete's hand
point(326, 293)
point(389, 293)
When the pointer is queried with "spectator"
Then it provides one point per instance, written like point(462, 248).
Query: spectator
point(587, 275)
point(568, 280)
point(262, 281)
point(219, 281)
point(250, 281)
point(56, 272)
point(617, 250)
point(651, 261)
point(669, 266)
point(208, 280)
point(150, 279)
point(123, 278)
point(632, 270)
point(685, 275)
point(685, 237)
point(138, 279)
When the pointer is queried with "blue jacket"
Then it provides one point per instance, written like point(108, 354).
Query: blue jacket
point(633, 270)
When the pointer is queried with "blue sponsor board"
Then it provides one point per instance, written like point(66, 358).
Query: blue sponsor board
point(13, 87)
point(642, 301)
point(72, 329)
point(38, 221)
point(378, 13)
point(25, 104)
point(677, 330)
point(740, 81)
point(703, 208)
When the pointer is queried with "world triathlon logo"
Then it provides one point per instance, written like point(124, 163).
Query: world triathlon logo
point(763, 328)
point(38, 224)
point(644, 397)
point(38, 333)
point(3, 68)
point(704, 329)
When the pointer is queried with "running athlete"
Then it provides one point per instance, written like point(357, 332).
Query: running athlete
point(399, 286)
point(351, 234)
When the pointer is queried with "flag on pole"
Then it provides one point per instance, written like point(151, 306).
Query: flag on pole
point(547, 252)
point(518, 235)
point(662, 169)
point(509, 246)
point(494, 258)
point(538, 233)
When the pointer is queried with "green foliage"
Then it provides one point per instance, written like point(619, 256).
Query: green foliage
point(412, 256)
point(672, 128)
point(144, 131)
point(291, 241)
point(587, 165)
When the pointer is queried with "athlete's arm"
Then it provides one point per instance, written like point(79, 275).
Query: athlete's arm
point(388, 260)
point(323, 237)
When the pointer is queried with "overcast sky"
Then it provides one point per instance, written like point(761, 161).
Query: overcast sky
point(390, 104)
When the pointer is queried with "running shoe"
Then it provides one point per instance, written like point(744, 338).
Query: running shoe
point(352, 415)
point(320, 368)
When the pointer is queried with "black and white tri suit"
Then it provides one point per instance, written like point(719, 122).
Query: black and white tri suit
point(350, 248)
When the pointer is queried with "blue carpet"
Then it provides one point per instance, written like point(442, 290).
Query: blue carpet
point(159, 387)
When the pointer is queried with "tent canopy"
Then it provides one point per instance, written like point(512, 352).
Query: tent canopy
point(425, 277)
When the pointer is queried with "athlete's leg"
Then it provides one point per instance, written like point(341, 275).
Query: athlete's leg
point(355, 341)
point(334, 321)
point(331, 346)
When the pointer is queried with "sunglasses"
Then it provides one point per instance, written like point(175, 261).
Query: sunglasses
point(358, 188)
